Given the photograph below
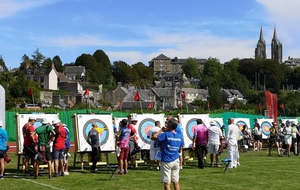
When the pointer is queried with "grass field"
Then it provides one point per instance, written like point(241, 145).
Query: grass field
point(257, 171)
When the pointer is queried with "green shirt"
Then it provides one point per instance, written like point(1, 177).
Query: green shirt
point(43, 133)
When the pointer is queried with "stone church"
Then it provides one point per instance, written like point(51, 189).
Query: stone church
point(276, 47)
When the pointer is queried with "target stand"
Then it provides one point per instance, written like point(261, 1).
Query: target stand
point(83, 158)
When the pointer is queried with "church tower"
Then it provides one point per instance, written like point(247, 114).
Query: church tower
point(260, 50)
point(276, 48)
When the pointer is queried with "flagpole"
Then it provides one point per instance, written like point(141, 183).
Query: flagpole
point(141, 106)
point(33, 102)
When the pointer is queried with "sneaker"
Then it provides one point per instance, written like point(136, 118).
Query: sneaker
point(62, 174)
point(66, 173)
point(219, 165)
point(50, 176)
point(94, 171)
point(120, 173)
point(181, 167)
point(151, 168)
point(211, 165)
point(27, 174)
point(1, 177)
point(157, 168)
point(55, 175)
point(125, 172)
point(238, 164)
point(35, 177)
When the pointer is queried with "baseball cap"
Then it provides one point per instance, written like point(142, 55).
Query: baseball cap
point(55, 121)
point(287, 122)
point(45, 121)
point(134, 119)
point(32, 118)
point(213, 123)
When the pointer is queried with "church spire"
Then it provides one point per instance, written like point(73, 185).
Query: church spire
point(260, 50)
point(275, 34)
point(276, 48)
point(261, 36)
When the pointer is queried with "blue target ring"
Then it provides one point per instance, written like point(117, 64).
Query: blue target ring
point(265, 127)
point(241, 124)
point(190, 126)
point(144, 127)
point(88, 125)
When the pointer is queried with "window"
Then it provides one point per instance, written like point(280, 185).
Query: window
point(42, 79)
point(35, 79)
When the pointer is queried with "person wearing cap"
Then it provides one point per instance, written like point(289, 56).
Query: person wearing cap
point(287, 132)
point(170, 143)
point(214, 136)
point(3, 149)
point(93, 140)
point(232, 143)
point(29, 144)
point(66, 150)
point(294, 138)
point(133, 144)
point(59, 140)
point(200, 141)
point(274, 139)
point(44, 133)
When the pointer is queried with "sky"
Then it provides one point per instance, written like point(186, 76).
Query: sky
point(140, 30)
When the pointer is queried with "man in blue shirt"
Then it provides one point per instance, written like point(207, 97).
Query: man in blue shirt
point(3, 140)
point(170, 143)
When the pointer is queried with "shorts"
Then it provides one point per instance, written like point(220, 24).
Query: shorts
point(2, 154)
point(272, 140)
point(58, 154)
point(124, 153)
point(153, 153)
point(46, 153)
point(288, 140)
point(294, 140)
point(29, 151)
point(170, 171)
point(258, 138)
point(213, 148)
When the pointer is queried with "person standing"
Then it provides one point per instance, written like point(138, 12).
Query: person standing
point(257, 137)
point(232, 143)
point(274, 139)
point(3, 149)
point(200, 141)
point(29, 149)
point(123, 144)
point(153, 144)
point(66, 151)
point(287, 131)
point(44, 133)
point(215, 134)
point(93, 140)
point(179, 130)
point(133, 143)
point(170, 143)
point(58, 147)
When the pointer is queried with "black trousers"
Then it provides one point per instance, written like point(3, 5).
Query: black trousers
point(201, 151)
point(95, 156)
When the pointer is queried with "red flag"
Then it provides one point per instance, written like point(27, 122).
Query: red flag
point(120, 103)
point(271, 101)
point(150, 105)
point(183, 95)
point(208, 105)
point(86, 92)
point(30, 92)
point(137, 96)
point(258, 106)
point(282, 106)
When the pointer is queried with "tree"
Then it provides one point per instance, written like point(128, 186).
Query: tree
point(90, 65)
point(142, 76)
point(47, 63)
point(25, 62)
point(104, 66)
point(212, 73)
point(191, 68)
point(122, 72)
point(58, 64)
point(37, 58)
point(273, 73)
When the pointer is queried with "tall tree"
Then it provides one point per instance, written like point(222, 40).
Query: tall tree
point(26, 62)
point(104, 66)
point(122, 72)
point(58, 64)
point(90, 64)
point(37, 58)
point(143, 76)
point(212, 72)
point(191, 68)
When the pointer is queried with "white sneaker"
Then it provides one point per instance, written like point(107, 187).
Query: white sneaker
point(66, 173)
point(157, 168)
point(181, 167)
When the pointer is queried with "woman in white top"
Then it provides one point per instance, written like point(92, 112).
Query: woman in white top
point(257, 137)
point(287, 132)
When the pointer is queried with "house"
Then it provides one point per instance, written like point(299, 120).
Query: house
point(193, 94)
point(229, 95)
point(292, 62)
point(75, 72)
point(46, 77)
point(64, 83)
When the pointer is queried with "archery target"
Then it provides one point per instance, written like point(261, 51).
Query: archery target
point(144, 123)
point(22, 119)
point(265, 125)
point(83, 125)
point(219, 121)
point(188, 123)
point(240, 122)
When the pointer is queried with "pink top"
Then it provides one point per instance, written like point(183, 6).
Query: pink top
point(201, 133)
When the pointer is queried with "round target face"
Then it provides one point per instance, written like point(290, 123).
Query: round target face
point(191, 125)
point(241, 124)
point(265, 127)
point(88, 125)
point(144, 127)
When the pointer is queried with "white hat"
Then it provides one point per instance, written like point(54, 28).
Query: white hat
point(45, 121)
point(1, 123)
point(213, 123)
point(133, 119)
point(55, 121)
point(32, 118)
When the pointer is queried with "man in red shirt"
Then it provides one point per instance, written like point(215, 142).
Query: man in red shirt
point(29, 149)
point(58, 146)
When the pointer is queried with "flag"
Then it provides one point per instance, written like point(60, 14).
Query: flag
point(30, 92)
point(282, 106)
point(258, 106)
point(120, 103)
point(208, 105)
point(183, 95)
point(180, 104)
point(271, 101)
point(86, 92)
point(150, 105)
point(234, 106)
point(137, 96)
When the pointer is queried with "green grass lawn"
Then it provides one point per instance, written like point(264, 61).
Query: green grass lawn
point(257, 171)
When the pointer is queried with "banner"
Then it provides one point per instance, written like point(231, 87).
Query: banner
point(2, 106)
point(271, 101)
point(22, 119)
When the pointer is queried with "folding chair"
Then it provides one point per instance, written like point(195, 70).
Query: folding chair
point(112, 169)
point(226, 162)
